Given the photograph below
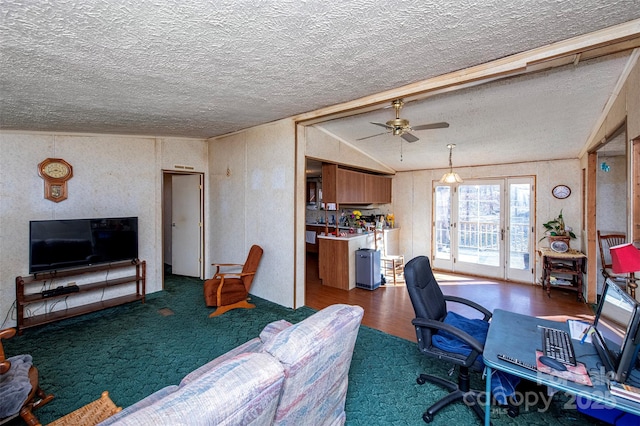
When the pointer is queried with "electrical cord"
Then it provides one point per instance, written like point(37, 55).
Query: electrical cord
point(11, 310)
point(53, 305)
point(106, 283)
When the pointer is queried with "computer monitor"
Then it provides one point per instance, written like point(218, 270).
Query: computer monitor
point(616, 336)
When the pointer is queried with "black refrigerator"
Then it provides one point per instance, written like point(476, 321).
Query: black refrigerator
point(368, 269)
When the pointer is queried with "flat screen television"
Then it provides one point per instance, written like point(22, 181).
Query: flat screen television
point(71, 243)
point(616, 336)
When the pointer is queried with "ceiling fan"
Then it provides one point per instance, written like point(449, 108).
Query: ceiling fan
point(400, 126)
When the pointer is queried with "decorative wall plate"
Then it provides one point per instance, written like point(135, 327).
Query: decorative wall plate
point(559, 246)
point(561, 191)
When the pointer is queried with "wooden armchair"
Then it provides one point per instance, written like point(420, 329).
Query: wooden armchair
point(36, 396)
point(605, 242)
point(230, 290)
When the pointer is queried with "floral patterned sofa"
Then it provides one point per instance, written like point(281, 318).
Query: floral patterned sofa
point(289, 375)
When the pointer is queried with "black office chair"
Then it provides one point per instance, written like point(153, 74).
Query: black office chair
point(430, 307)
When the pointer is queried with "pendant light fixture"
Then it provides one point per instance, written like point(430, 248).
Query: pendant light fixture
point(451, 176)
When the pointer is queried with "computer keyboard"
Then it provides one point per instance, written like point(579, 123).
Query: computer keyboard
point(557, 344)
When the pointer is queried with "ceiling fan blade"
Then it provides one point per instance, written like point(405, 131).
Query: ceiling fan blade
point(382, 125)
point(372, 136)
point(409, 137)
point(441, 125)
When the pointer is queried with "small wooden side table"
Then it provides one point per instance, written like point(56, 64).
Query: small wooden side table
point(569, 264)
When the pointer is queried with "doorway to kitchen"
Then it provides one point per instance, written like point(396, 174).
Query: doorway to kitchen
point(485, 227)
point(182, 223)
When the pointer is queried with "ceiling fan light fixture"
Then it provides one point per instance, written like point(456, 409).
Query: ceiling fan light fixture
point(401, 127)
point(451, 176)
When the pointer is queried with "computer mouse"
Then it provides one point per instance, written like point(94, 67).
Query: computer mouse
point(550, 362)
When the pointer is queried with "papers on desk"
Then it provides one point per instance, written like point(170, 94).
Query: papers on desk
point(580, 330)
point(576, 374)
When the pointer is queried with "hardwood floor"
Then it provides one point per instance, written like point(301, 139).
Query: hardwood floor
point(389, 309)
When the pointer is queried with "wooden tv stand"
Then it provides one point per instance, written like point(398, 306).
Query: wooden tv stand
point(29, 290)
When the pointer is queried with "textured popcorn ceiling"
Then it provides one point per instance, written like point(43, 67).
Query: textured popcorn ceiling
point(204, 68)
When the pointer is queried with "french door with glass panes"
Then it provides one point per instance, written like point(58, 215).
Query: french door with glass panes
point(484, 227)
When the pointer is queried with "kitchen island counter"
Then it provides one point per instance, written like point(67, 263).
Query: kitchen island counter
point(337, 258)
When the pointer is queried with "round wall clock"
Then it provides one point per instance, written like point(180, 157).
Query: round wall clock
point(55, 172)
point(561, 191)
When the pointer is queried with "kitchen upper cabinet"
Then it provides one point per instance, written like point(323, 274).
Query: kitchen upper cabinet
point(353, 187)
point(329, 183)
point(377, 189)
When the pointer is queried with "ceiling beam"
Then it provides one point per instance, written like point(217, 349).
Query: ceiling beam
point(591, 143)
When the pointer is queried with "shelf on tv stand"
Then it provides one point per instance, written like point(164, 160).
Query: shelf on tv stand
point(99, 284)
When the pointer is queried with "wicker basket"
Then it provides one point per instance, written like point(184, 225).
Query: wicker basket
point(91, 414)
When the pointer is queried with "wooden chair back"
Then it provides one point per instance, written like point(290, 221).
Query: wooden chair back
point(605, 242)
point(251, 265)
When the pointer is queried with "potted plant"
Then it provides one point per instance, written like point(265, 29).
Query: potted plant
point(555, 229)
point(355, 221)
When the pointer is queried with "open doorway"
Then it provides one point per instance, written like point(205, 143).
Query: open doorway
point(182, 224)
point(611, 190)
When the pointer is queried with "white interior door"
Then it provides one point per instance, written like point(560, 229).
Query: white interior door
point(186, 225)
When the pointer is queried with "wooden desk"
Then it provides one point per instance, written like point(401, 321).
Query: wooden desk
point(568, 265)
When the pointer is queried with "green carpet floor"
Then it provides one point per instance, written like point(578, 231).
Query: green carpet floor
point(133, 350)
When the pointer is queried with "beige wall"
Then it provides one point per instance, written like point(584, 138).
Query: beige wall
point(112, 176)
point(252, 188)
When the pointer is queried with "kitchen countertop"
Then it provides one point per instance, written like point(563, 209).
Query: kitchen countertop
point(333, 226)
point(322, 225)
point(345, 237)
point(343, 229)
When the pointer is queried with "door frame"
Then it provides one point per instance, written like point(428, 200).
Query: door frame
point(166, 218)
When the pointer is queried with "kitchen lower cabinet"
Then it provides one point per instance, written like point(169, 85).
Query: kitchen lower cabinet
point(337, 259)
